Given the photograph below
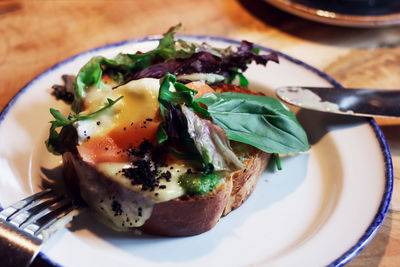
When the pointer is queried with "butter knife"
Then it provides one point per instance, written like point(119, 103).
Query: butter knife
point(356, 102)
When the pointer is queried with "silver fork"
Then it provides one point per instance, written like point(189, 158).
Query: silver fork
point(27, 224)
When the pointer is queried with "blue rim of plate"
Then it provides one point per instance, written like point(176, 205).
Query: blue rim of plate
point(384, 205)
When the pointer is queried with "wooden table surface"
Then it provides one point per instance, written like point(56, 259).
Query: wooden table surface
point(35, 35)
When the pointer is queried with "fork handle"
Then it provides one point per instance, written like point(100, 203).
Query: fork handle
point(20, 253)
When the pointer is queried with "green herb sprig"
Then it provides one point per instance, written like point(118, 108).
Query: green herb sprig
point(55, 138)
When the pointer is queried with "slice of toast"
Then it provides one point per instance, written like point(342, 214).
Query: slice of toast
point(182, 216)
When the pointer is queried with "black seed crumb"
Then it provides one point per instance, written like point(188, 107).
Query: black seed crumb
point(140, 211)
point(149, 119)
point(116, 208)
point(88, 137)
point(171, 168)
point(162, 186)
point(144, 122)
point(131, 123)
point(142, 173)
point(166, 175)
point(106, 148)
point(156, 194)
point(189, 171)
point(98, 122)
point(245, 170)
point(124, 128)
point(101, 200)
point(123, 224)
point(136, 221)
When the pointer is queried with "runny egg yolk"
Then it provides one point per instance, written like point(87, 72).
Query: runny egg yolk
point(139, 103)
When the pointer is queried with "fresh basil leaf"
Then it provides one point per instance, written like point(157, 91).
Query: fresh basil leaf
point(262, 122)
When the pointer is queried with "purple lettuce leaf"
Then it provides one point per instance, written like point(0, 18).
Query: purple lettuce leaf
point(209, 60)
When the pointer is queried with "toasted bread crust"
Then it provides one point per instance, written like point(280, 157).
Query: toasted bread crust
point(186, 216)
point(244, 181)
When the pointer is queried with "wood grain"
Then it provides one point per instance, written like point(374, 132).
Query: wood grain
point(35, 35)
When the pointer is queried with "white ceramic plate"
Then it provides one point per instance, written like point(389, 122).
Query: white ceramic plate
point(321, 209)
point(353, 13)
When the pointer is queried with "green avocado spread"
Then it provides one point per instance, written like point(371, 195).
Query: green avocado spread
point(198, 184)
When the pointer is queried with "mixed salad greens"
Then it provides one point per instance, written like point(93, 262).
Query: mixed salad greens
point(204, 125)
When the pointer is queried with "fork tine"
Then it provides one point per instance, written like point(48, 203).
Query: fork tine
point(24, 215)
point(49, 216)
point(11, 210)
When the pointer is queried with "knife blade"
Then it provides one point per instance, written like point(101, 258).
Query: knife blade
point(356, 102)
